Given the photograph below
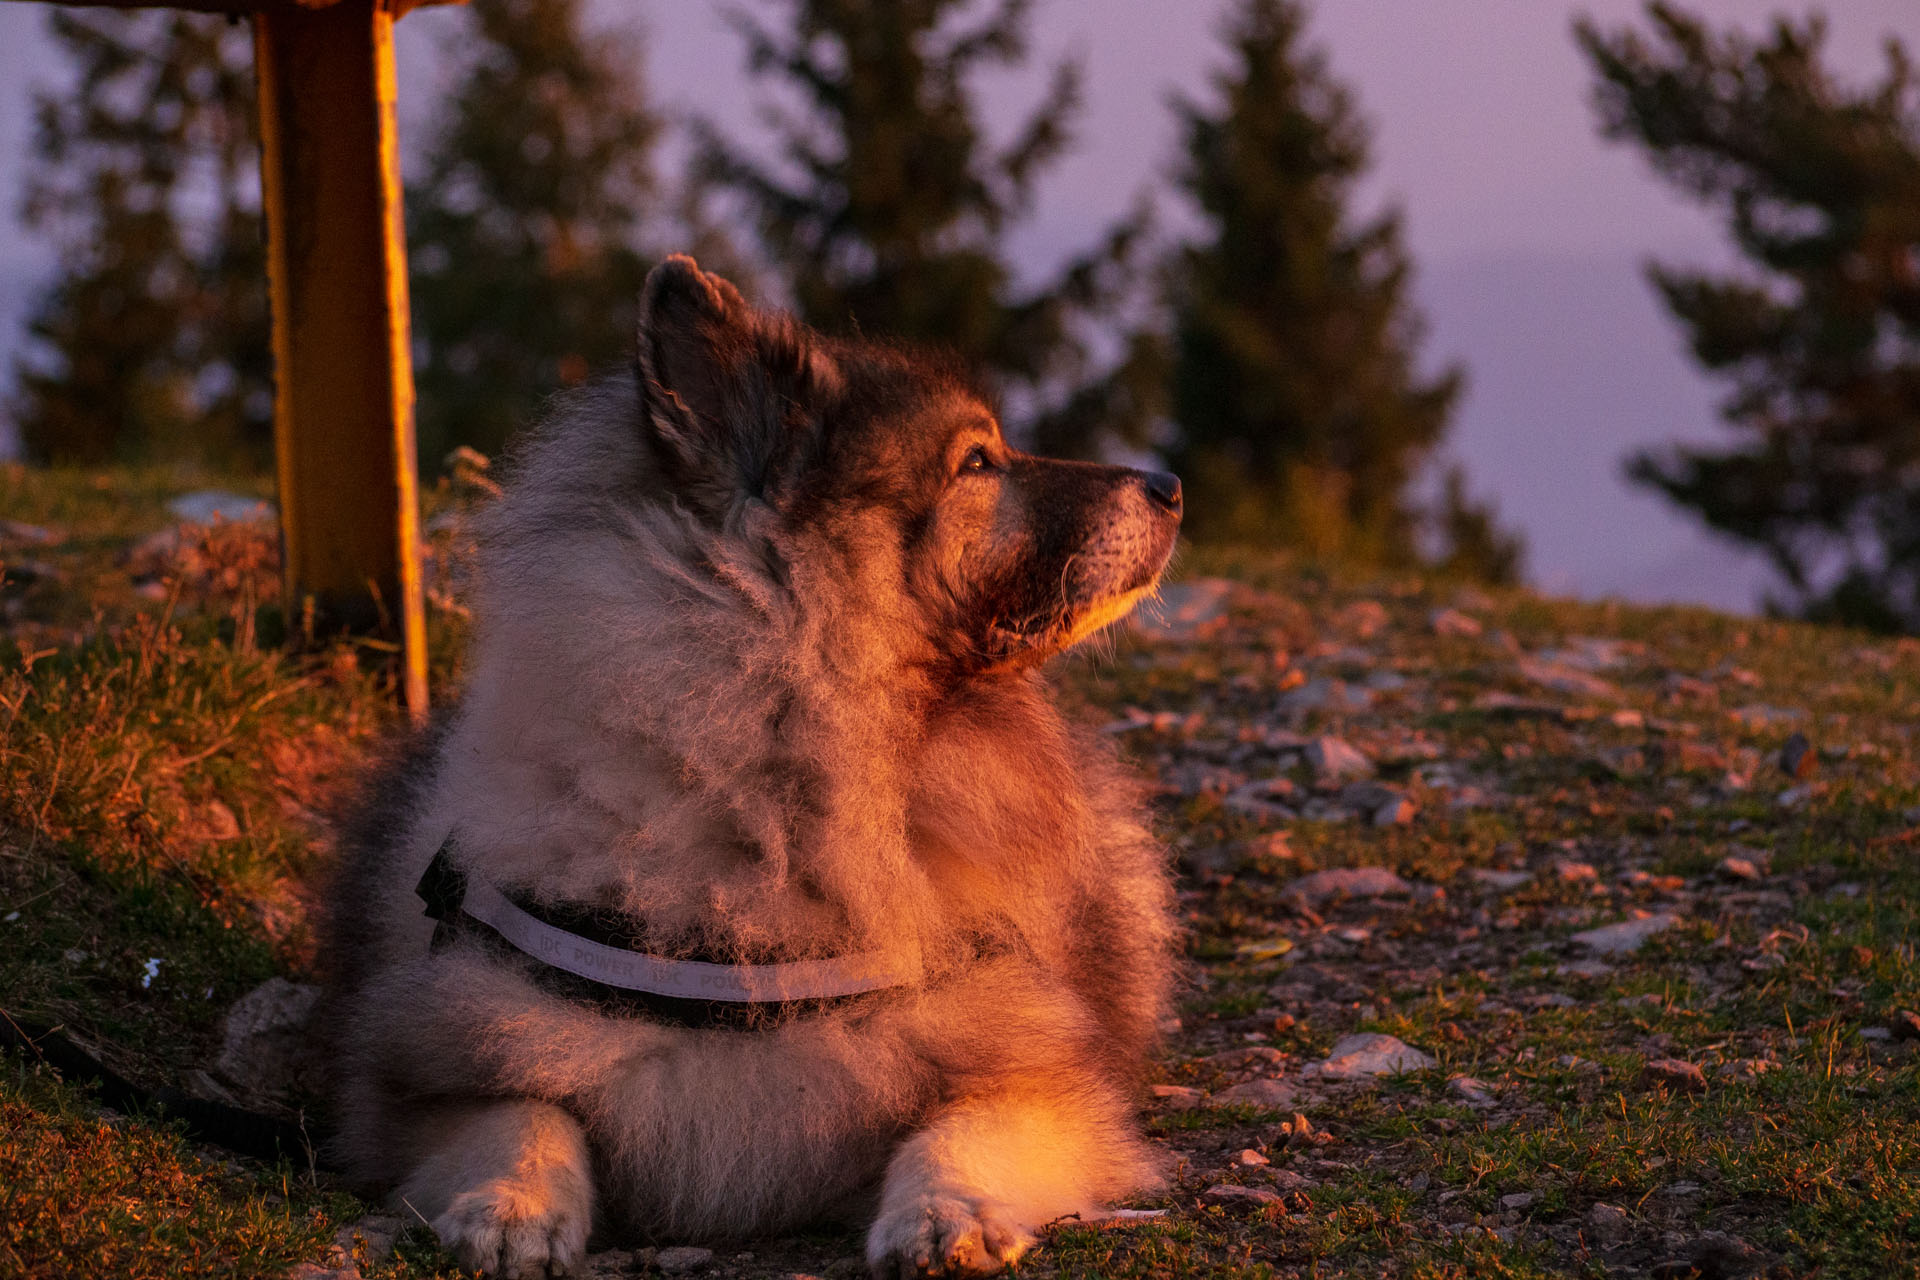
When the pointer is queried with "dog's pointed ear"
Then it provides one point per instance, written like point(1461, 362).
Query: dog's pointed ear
point(719, 384)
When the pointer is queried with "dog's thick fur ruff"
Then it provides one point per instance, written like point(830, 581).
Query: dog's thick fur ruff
point(715, 687)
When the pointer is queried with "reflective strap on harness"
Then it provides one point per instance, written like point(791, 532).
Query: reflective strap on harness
point(446, 891)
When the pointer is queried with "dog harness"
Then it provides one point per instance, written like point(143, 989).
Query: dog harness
point(595, 957)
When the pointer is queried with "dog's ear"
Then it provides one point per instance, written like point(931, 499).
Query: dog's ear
point(725, 390)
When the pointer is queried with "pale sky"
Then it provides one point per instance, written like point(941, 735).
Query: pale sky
point(1527, 231)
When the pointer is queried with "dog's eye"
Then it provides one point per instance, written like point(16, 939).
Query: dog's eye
point(976, 460)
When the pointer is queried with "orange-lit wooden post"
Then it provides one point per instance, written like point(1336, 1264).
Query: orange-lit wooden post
point(343, 372)
point(337, 266)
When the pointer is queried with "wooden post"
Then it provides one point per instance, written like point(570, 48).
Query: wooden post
point(343, 373)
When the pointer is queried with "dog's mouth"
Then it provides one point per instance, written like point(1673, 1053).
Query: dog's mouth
point(1035, 639)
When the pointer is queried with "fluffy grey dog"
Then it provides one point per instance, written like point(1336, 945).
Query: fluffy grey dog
point(754, 694)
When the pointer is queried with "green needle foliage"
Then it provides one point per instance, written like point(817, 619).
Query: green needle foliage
point(152, 341)
point(525, 230)
point(1302, 417)
point(1819, 334)
point(887, 209)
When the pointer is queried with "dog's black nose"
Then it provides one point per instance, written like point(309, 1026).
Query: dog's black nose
point(1163, 487)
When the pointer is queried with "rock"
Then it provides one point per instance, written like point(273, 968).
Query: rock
point(1712, 1255)
point(374, 1234)
point(681, 1260)
point(1178, 1097)
point(314, 1271)
point(1362, 618)
point(1337, 760)
point(1498, 881)
point(1586, 970)
point(1675, 1074)
point(1288, 1180)
point(1324, 693)
point(1370, 1054)
point(1270, 1094)
point(1518, 1200)
point(1475, 1093)
point(1608, 1224)
point(205, 506)
point(1251, 1159)
point(1266, 800)
point(1625, 937)
point(1397, 812)
point(1349, 882)
point(1185, 611)
point(1797, 758)
point(1747, 1068)
point(1794, 797)
point(1737, 868)
point(1561, 677)
point(1567, 872)
point(19, 533)
point(1239, 1199)
point(1452, 622)
point(263, 1050)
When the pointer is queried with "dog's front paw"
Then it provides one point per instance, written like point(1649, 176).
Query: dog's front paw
point(511, 1231)
point(944, 1234)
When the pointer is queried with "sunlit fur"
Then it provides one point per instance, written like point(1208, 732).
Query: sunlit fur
point(754, 660)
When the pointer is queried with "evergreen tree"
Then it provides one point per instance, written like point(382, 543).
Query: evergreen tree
point(526, 231)
point(153, 341)
point(1820, 334)
point(1302, 417)
point(888, 208)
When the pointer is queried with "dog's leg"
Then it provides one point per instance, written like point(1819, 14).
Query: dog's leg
point(965, 1194)
point(508, 1188)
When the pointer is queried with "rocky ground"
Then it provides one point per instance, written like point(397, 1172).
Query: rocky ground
point(1528, 938)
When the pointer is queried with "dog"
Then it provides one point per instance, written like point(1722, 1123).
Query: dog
point(754, 710)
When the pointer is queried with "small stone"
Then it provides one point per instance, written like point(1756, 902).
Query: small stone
point(1747, 1068)
point(1249, 1158)
point(1178, 1097)
point(1676, 1074)
point(1264, 800)
point(1362, 618)
point(681, 1260)
point(1236, 1199)
point(1563, 678)
point(1794, 797)
point(1475, 1093)
point(314, 1271)
point(1271, 1094)
point(1586, 970)
point(1336, 759)
point(1349, 882)
point(1567, 872)
point(375, 1233)
point(1371, 1054)
point(1737, 868)
point(1397, 812)
point(1452, 622)
point(1797, 758)
point(1625, 937)
point(206, 506)
point(1518, 1200)
point(1876, 1033)
point(1608, 1223)
point(264, 1049)
point(1498, 881)
point(1288, 1180)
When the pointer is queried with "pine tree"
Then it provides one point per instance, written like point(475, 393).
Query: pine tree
point(526, 233)
point(1819, 335)
point(153, 341)
point(888, 209)
point(1302, 417)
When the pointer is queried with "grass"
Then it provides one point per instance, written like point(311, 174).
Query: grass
point(164, 759)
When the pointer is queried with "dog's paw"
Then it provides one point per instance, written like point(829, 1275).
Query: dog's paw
point(944, 1234)
point(506, 1231)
